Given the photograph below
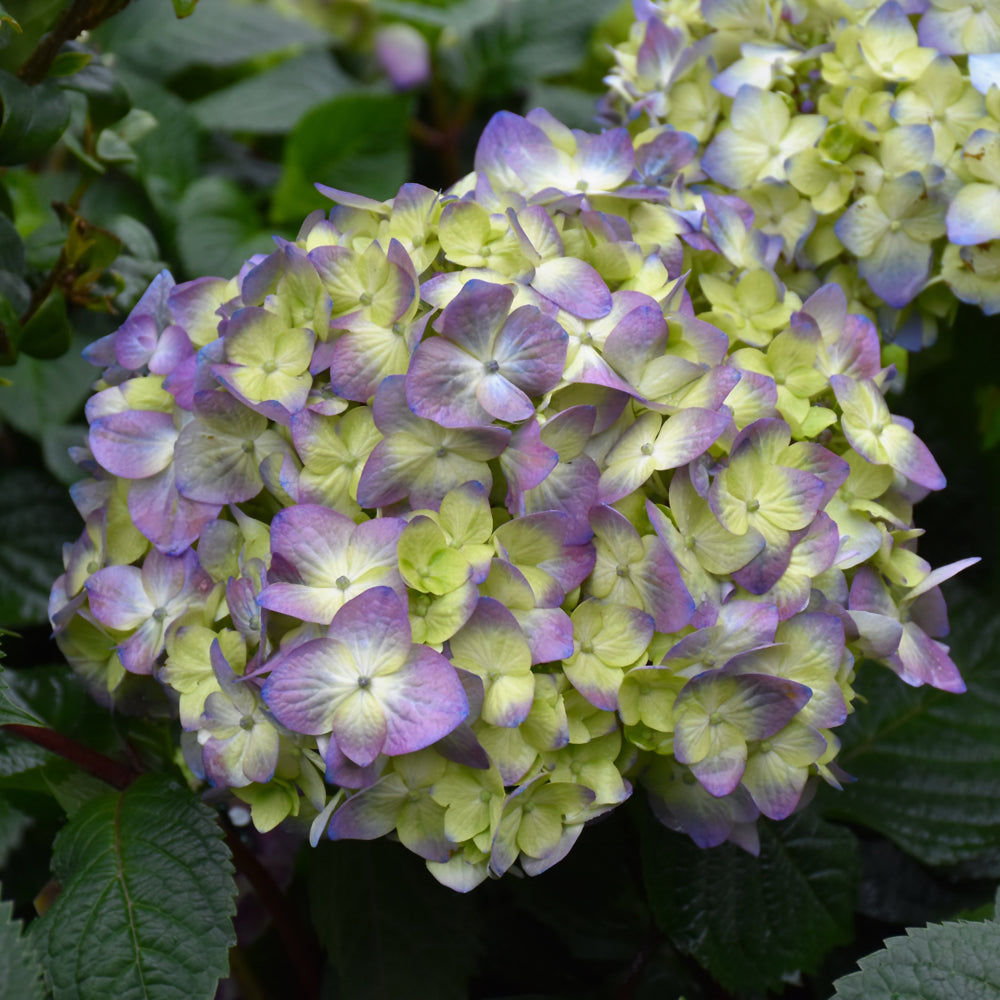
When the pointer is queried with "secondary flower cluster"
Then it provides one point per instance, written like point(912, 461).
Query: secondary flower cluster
point(865, 136)
point(452, 519)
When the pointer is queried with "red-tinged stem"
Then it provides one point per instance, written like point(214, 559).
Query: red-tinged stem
point(111, 772)
point(300, 946)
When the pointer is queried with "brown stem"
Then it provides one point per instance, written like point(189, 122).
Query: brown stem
point(299, 943)
point(111, 772)
point(84, 15)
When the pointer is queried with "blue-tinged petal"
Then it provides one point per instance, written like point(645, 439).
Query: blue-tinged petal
point(862, 226)
point(423, 701)
point(974, 215)
point(372, 812)
point(442, 384)
point(897, 268)
point(135, 443)
point(573, 285)
point(984, 71)
point(307, 684)
point(171, 522)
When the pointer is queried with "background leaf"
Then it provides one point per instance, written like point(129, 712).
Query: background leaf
point(927, 763)
point(36, 518)
point(218, 228)
point(20, 971)
point(12, 710)
point(45, 394)
point(33, 119)
point(223, 33)
point(752, 921)
point(389, 929)
point(954, 961)
point(147, 898)
point(356, 142)
point(271, 103)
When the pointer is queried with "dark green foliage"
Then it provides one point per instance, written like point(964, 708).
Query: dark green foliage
point(754, 921)
point(33, 119)
point(368, 901)
point(146, 898)
point(927, 763)
point(370, 156)
point(20, 970)
point(35, 520)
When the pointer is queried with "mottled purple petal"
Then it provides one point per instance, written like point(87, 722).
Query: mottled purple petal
point(573, 285)
point(424, 702)
point(171, 522)
point(134, 444)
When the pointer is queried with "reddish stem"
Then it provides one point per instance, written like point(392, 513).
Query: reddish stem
point(110, 771)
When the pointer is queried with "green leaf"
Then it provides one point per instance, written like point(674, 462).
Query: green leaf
point(11, 707)
point(5, 18)
point(13, 824)
point(32, 119)
point(10, 330)
point(147, 898)
point(44, 395)
point(553, 35)
point(70, 61)
point(218, 228)
point(270, 103)
point(389, 929)
point(184, 8)
point(750, 921)
point(168, 154)
point(459, 17)
point(152, 41)
point(927, 763)
point(56, 442)
point(107, 99)
point(953, 961)
point(36, 518)
point(356, 142)
point(20, 971)
point(48, 333)
point(11, 247)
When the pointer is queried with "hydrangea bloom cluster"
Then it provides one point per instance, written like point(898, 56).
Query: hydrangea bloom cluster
point(451, 519)
point(863, 135)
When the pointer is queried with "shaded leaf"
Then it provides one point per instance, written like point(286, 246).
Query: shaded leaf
point(32, 119)
point(927, 762)
point(153, 41)
point(389, 929)
point(107, 98)
point(168, 154)
point(11, 247)
point(953, 961)
point(48, 333)
point(13, 824)
point(356, 142)
point(271, 103)
point(20, 970)
point(147, 898)
point(217, 228)
point(12, 709)
point(751, 921)
point(36, 518)
point(44, 395)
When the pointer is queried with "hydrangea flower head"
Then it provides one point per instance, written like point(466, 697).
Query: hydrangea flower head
point(854, 112)
point(468, 513)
